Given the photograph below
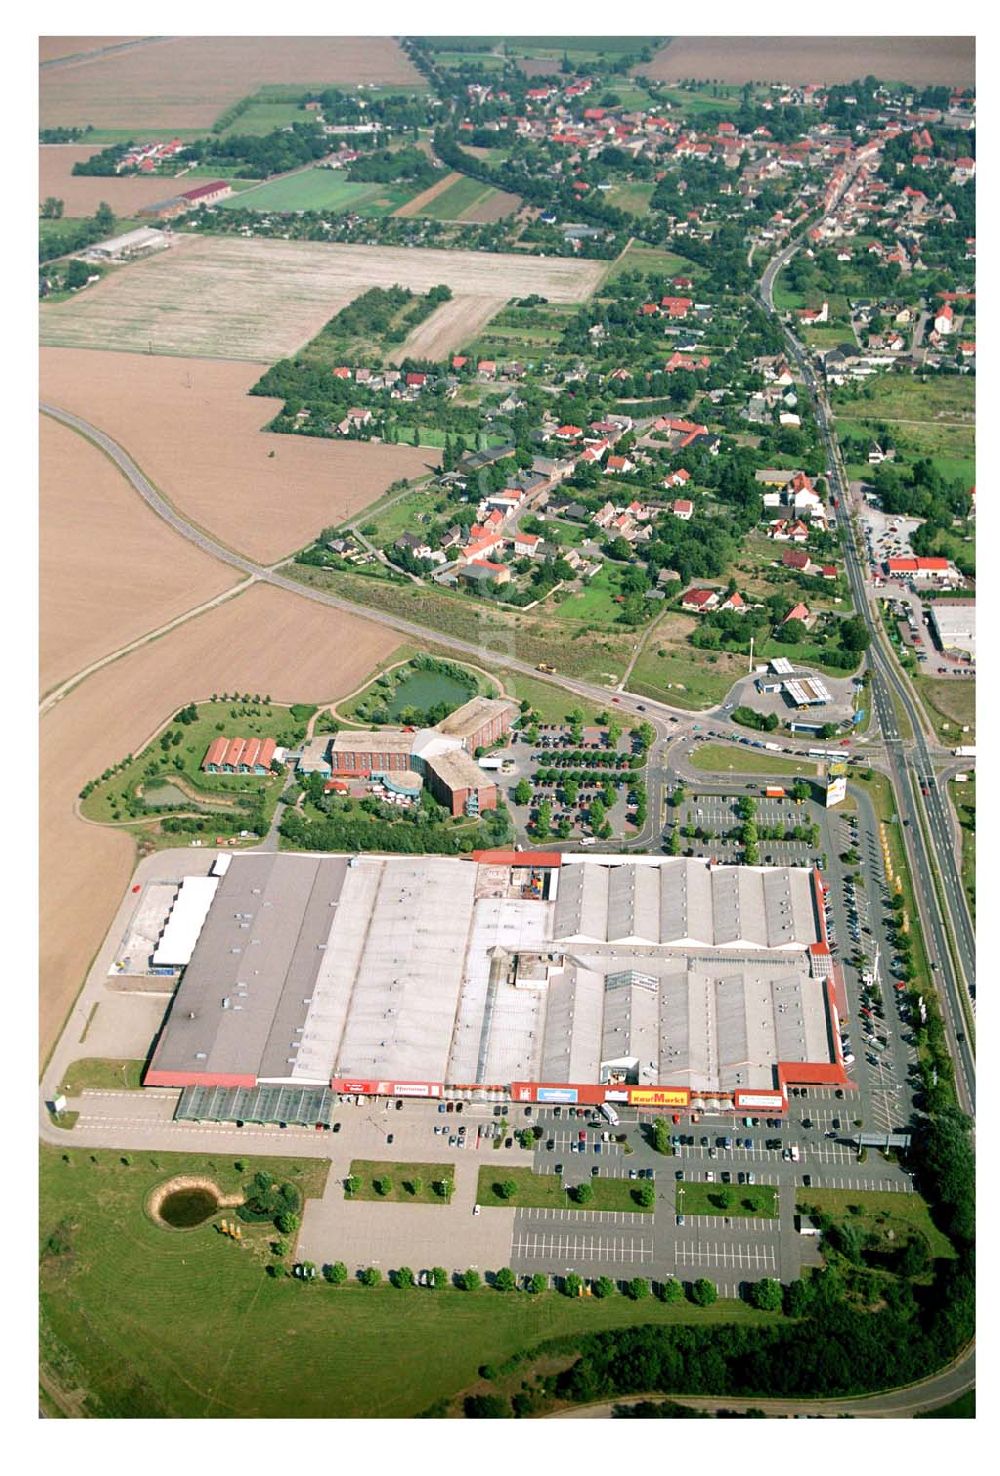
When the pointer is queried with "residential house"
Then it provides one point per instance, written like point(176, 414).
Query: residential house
point(797, 558)
point(700, 600)
point(682, 508)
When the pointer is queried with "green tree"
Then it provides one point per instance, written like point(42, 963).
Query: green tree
point(382, 1185)
point(414, 1185)
point(703, 1292)
point(637, 1288)
point(439, 1278)
point(470, 1280)
point(538, 1283)
point(671, 1290)
point(604, 1287)
point(335, 1272)
point(402, 1277)
point(287, 1222)
point(504, 1280)
point(352, 1184)
point(522, 792)
point(661, 1136)
point(583, 1193)
point(486, 1407)
point(505, 1189)
point(77, 275)
point(645, 1194)
point(572, 1285)
point(370, 1276)
point(767, 1295)
point(52, 208)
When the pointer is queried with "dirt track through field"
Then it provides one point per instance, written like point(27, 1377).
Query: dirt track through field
point(921, 60)
point(229, 298)
point(188, 81)
point(418, 204)
point(197, 433)
point(110, 570)
point(264, 640)
point(450, 326)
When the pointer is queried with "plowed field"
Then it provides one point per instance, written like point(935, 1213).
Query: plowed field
point(194, 430)
point(922, 60)
point(264, 640)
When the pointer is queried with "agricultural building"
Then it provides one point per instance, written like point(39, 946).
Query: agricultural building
point(129, 247)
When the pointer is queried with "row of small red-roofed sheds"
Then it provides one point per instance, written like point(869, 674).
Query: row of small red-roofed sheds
point(239, 756)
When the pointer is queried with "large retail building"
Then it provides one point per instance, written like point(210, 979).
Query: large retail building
point(660, 981)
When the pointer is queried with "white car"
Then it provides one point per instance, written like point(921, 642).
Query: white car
point(476, 1208)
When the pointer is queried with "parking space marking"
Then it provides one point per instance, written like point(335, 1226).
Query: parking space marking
point(566, 1248)
point(696, 1254)
point(605, 1217)
point(758, 1224)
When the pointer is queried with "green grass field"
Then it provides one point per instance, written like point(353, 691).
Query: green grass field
point(600, 657)
point(964, 799)
point(870, 1209)
point(549, 703)
point(702, 101)
point(318, 189)
point(950, 703)
point(227, 1341)
point(411, 1183)
point(264, 115)
point(634, 197)
point(721, 758)
point(101, 1075)
point(595, 602)
point(639, 258)
point(460, 196)
point(670, 669)
point(545, 1191)
point(928, 417)
point(758, 1201)
point(233, 719)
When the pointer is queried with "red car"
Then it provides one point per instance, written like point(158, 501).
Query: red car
point(581, 1136)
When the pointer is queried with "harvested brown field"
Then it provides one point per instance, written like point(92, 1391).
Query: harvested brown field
point(56, 48)
point(230, 298)
point(495, 207)
point(921, 60)
point(419, 202)
point(263, 640)
point(450, 326)
point(82, 193)
point(110, 569)
point(188, 81)
point(195, 431)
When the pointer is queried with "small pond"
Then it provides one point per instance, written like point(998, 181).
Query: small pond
point(425, 689)
point(184, 1208)
point(159, 795)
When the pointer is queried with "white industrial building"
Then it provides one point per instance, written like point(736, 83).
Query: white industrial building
point(418, 974)
point(954, 624)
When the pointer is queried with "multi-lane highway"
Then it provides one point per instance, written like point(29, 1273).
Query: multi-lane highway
point(926, 826)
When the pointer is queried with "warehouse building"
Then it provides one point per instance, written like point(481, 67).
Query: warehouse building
point(130, 246)
point(661, 981)
point(954, 624)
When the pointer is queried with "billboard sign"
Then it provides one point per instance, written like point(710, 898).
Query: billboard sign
point(415, 1089)
point(767, 1101)
point(836, 790)
point(557, 1094)
point(659, 1096)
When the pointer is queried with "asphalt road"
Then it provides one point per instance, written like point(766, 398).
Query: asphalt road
point(922, 1398)
point(905, 758)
